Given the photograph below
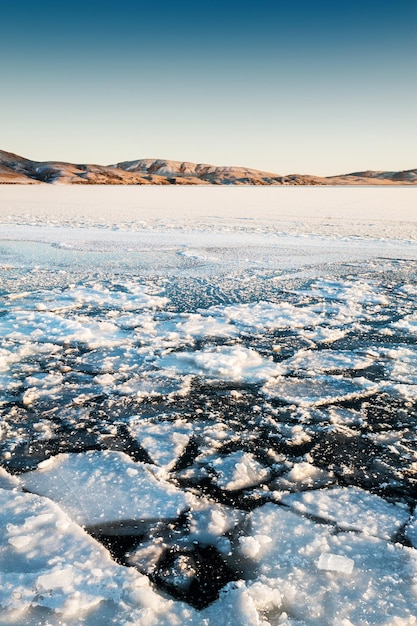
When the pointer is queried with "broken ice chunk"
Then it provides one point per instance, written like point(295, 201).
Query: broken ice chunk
point(165, 441)
point(48, 561)
point(318, 390)
point(381, 585)
point(244, 603)
point(254, 547)
point(335, 563)
point(193, 574)
point(328, 360)
point(234, 363)
point(303, 476)
point(146, 556)
point(209, 521)
point(351, 508)
point(238, 470)
point(268, 315)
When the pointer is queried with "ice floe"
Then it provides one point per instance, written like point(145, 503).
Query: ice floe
point(164, 440)
point(351, 508)
point(237, 470)
point(269, 315)
point(235, 363)
point(325, 578)
point(319, 390)
point(328, 360)
point(105, 489)
point(49, 563)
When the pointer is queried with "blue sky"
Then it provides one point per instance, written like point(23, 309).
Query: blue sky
point(298, 86)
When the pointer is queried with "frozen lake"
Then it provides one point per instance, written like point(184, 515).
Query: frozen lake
point(208, 406)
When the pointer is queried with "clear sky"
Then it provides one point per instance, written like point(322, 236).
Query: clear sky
point(294, 86)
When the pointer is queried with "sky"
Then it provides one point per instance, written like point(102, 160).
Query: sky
point(297, 86)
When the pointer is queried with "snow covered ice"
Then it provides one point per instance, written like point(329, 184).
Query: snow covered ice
point(208, 406)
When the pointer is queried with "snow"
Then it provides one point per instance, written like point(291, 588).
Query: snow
point(219, 386)
point(7, 481)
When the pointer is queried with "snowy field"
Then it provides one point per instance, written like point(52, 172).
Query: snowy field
point(208, 407)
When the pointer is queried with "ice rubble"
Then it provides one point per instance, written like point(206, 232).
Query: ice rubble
point(328, 360)
point(237, 470)
point(269, 315)
point(401, 364)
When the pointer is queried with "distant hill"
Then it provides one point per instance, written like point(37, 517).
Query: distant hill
point(19, 170)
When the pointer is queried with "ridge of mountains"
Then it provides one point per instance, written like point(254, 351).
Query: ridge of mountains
point(15, 169)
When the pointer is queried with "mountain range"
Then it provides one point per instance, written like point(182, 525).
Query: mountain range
point(15, 169)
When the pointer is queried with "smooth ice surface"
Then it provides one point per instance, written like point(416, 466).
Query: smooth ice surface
point(370, 212)
point(102, 488)
point(351, 509)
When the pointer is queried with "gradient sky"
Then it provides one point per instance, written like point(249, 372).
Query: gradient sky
point(307, 86)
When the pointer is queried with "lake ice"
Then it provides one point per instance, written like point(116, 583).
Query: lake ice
point(208, 406)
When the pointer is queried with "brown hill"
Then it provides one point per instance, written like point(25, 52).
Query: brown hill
point(19, 170)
